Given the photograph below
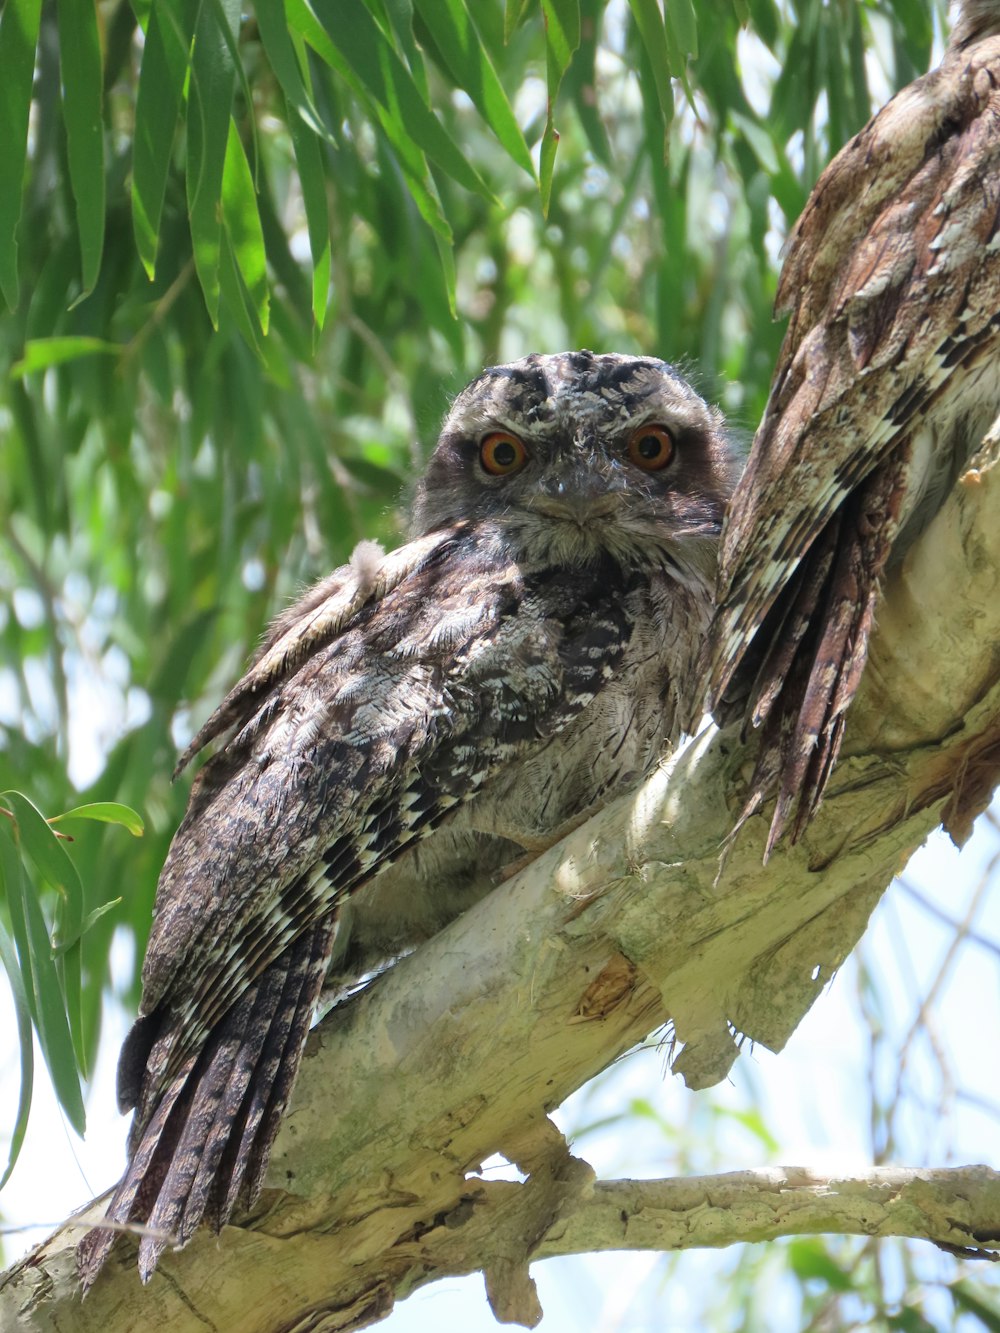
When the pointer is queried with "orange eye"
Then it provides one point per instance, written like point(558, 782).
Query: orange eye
point(651, 447)
point(502, 453)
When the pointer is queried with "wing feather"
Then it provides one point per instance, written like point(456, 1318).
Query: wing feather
point(892, 278)
point(324, 778)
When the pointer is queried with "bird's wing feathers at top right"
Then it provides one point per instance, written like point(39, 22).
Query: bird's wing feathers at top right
point(887, 378)
point(893, 279)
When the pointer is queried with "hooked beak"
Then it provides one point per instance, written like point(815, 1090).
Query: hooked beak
point(578, 498)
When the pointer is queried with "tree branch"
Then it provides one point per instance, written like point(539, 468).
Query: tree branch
point(625, 927)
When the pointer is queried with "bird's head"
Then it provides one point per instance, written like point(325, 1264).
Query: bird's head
point(574, 455)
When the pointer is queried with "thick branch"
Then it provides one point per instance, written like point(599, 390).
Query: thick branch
point(626, 926)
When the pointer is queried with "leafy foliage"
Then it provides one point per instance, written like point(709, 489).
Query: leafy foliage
point(246, 254)
point(45, 969)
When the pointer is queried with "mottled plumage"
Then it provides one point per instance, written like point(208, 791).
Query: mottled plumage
point(888, 377)
point(414, 724)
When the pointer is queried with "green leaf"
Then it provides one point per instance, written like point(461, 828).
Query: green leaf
point(82, 80)
point(41, 353)
point(365, 58)
point(447, 257)
point(280, 48)
point(562, 28)
point(210, 101)
point(18, 38)
point(238, 301)
point(513, 12)
point(98, 912)
point(760, 141)
point(55, 989)
point(809, 1258)
point(562, 37)
point(230, 18)
point(165, 58)
point(54, 1033)
point(51, 860)
point(450, 24)
point(395, 17)
point(580, 81)
point(662, 61)
point(22, 1016)
point(411, 160)
point(242, 220)
point(679, 18)
point(53, 863)
point(108, 812)
point(12, 878)
point(313, 182)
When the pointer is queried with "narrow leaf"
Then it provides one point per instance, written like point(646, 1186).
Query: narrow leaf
point(229, 20)
point(22, 1016)
point(242, 220)
point(161, 89)
point(107, 812)
point(237, 299)
point(43, 987)
point(562, 37)
point(447, 256)
point(40, 353)
point(410, 157)
point(98, 912)
point(450, 24)
point(366, 58)
point(53, 1028)
point(52, 862)
point(680, 18)
point(662, 60)
point(313, 182)
point(580, 81)
point(280, 48)
point(513, 13)
point(88, 921)
point(82, 72)
point(562, 28)
point(18, 38)
point(12, 880)
point(210, 100)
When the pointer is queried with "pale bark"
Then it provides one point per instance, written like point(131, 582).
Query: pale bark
point(625, 927)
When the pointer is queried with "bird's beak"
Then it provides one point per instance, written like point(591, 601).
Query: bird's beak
point(579, 497)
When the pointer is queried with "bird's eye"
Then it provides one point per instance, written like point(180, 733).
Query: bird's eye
point(502, 453)
point(651, 447)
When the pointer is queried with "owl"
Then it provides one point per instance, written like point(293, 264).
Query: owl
point(416, 723)
point(888, 377)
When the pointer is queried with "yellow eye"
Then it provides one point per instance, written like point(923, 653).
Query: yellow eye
point(651, 447)
point(502, 453)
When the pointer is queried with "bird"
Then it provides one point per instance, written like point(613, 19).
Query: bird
point(413, 725)
point(887, 379)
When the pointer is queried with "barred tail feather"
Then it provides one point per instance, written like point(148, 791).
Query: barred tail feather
point(817, 648)
point(208, 1140)
point(250, 1142)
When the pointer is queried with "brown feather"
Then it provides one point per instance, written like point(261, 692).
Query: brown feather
point(888, 377)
